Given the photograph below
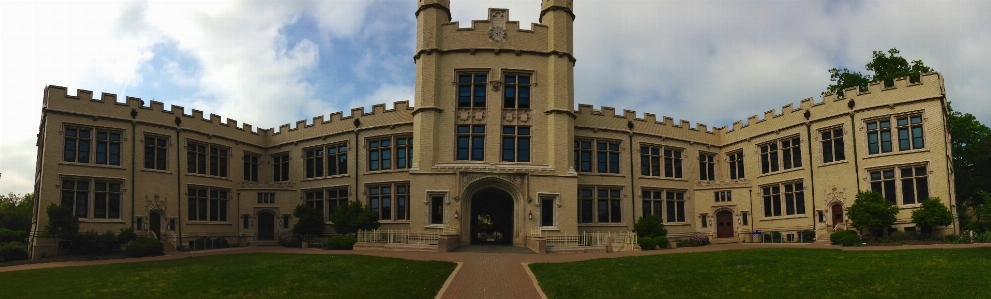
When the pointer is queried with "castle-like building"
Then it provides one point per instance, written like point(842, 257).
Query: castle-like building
point(492, 151)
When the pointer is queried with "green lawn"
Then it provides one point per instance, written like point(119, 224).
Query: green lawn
point(259, 275)
point(776, 273)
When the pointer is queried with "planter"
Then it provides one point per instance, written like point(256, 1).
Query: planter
point(672, 244)
point(306, 244)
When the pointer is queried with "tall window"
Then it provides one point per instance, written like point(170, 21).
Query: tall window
point(675, 201)
point(724, 196)
point(707, 167)
point(280, 167)
point(879, 136)
point(335, 155)
point(75, 194)
point(107, 147)
point(914, 184)
point(336, 198)
point(77, 146)
point(794, 199)
point(380, 199)
point(603, 157)
point(106, 196)
point(337, 159)
point(437, 209)
point(547, 211)
point(266, 197)
point(77, 141)
point(736, 165)
point(910, 133)
point(603, 202)
point(200, 205)
point(314, 199)
point(650, 161)
point(471, 142)
point(251, 167)
point(515, 144)
point(471, 90)
point(517, 91)
point(583, 155)
point(314, 162)
point(653, 201)
point(196, 159)
point(832, 145)
point(155, 152)
point(218, 161)
point(404, 152)
point(790, 155)
point(745, 218)
point(106, 200)
point(218, 205)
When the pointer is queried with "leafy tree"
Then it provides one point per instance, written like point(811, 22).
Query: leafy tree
point(885, 67)
point(983, 212)
point(871, 211)
point(971, 157)
point(354, 216)
point(15, 211)
point(310, 221)
point(62, 224)
point(933, 213)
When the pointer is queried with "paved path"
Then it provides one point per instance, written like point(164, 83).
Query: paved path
point(484, 274)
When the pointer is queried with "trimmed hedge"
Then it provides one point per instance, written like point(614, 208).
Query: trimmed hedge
point(13, 251)
point(650, 226)
point(7, 235)
point(662, 242)
point(647, 243)
point(340, 243)
point(144, 247)
point(837, 237)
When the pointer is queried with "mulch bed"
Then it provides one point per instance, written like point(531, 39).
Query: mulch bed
point(67, 258)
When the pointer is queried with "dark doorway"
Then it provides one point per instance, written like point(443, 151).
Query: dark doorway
point(724, 224)
point(492, 217)
point(837, 215)
point(266, 226)
point(155, 224)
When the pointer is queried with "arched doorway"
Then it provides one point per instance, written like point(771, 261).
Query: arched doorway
point(491, 217)
point(837, 212)
point(724, 224)
point(266, 226)
point(155, 224)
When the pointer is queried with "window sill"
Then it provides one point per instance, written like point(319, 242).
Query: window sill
point(783, 217)
point(101, 221)
point(834, 163)
point(663, 178)
point(207, 223)
point(394, 221)
point(434, 226)
point(208, 176)
point(722, 204)
point(92, 165)
point(550, 229)
point(677, 224)
point(619, 175)
point(156, 171)
point(602, 224)
point(910, 206)
point(780, 172)
point(386, 171)
point(896, 153)
point(326, 177)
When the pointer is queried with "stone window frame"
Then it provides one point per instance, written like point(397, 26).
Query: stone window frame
point(799, 207)
point(393, 200)
point(157, 152)
point(280, 166)
point(899, 179)
point(266, 197)
point(530, 75)
point(222, 169)
point(837, 144)
point(594, 158)
point(595, 206)
point(782, 151)
point(251, 166)
point(321, 164)
point(707, 167)
point(514, 140)
point(91, 147)
point(723, 196)
point(736, 161)
point(472, 135)
point(444, 196)
point(677, 158)
point(91, 197)
point(223, 204)
point(473, 87)
point(894, 130)
point(555, 207)
point(393, 148)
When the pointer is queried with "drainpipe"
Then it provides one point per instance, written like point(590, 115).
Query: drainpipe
point(237, 224)
point(949, 165)
point(753, 219)
point(357, 170)
point(134, 115)
point(853, 130)
point(812, 173)
point(178, 180)
point(633, 200)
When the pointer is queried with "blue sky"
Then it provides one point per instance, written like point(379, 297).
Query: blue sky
point(268, 63)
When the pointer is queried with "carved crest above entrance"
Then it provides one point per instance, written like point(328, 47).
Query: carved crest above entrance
point(155, 203)
point(468, 178)
point(497, 24)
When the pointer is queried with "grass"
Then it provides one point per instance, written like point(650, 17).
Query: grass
point(258, 275)
point(776, 273)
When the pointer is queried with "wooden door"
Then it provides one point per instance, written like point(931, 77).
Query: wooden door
point(155, 225)
point(266, 226)
point(724, 224)
point(837, 215)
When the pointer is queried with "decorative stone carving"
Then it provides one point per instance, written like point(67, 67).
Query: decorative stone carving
point(517, 179)
point(497, 23)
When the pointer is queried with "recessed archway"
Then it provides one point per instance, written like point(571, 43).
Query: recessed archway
point(266, 226)
point(492, 217)
point(508, 188)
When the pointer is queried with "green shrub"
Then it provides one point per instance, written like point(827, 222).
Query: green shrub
point(837, 237)
point(699, 239)
point(808, 236)
point(974, 226)
point(354, 216)
point(310, 221)
point(647, 243)
point(898, 236)
point(870, 210)
point(984, 237)
point(950, 238)
point(772, 237)
point(650, 226)
point(7, 236)
point(13, 251)
point(340, 243)
point(125, 236)
point(144, 247)
point(911, 235)
point(964, 238)
point(662, 241)
point(931, 214)
point(848, 240)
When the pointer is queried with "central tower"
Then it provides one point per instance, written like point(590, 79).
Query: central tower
point(494, 100)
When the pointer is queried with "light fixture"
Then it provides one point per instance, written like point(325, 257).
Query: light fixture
point(455, 214)
point(531, 214)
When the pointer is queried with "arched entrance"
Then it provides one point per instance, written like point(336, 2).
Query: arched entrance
point(266, 226)
point(837, 212)
point(492, 217)
point(724, 224)
point(155, 224)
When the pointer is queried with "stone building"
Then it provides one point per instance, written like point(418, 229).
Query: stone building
point(493, 151)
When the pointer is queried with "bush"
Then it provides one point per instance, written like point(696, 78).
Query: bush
point(871, 211)
point(125, 236)
point(848, 240)
point(772, 237)
point(898, 236)
point(93, 243)
point(13, 251)
point(650, 226)
point(288, 239)
point(340, 243)
point(144, 247)
point(964, 238)
point(950, 238)
point(7, 236)
point(699, 239)
point(933, 213)
point(354, 216)
point(808, 236)
point(662, 241)
point(911, 235)
point(974, 226)
point(984, 237)
point(310, 221)
point(647, 243)
point(837, 237)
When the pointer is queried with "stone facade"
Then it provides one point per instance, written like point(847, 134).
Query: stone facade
point(181, 176)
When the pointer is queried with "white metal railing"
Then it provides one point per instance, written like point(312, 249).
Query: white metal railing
point(621, 241)
point(398, 236)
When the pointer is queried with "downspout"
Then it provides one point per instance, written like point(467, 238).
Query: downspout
point(949, 165)
point(812, 174)
point(178, 180)
point(753, 218)
point(633, 200)
point(134, 115)
point(853, 130)
point(357, 170)
point(238, 225)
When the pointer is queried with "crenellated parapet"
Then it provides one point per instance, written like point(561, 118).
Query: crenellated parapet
point(606, 119)
point(337, 123)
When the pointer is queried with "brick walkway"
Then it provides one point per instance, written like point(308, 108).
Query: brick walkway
point(484, 275)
